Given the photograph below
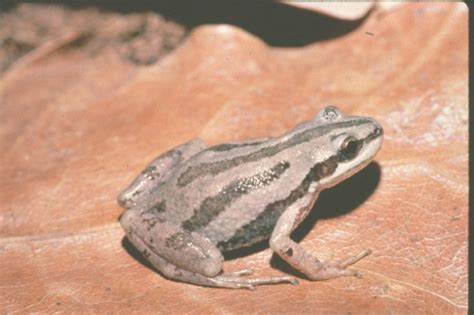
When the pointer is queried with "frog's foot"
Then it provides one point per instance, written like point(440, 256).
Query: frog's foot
point(235, 280)
point(335, 269)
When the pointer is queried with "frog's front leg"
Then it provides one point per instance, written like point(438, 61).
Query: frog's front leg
point(184, 256)
point(297, 256)
point(157, 171)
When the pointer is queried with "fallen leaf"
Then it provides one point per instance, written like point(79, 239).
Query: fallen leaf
point(77, 127)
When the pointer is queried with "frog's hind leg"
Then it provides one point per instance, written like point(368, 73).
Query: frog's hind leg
point(183, 255)
point(230, 281)
point(157, 171)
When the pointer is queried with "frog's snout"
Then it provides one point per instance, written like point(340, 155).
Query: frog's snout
point(378, 129)
point(377, 135)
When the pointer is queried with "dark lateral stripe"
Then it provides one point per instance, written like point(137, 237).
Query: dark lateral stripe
point(262, 226)
point(217, 167)
point(212, 206)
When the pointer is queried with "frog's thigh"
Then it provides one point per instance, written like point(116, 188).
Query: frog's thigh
point(156, 237)
point(155, 172)
point(173, 272)
point(298, 257)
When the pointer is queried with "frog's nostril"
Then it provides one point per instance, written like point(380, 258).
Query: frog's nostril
point(379, 129)
point(124, 200)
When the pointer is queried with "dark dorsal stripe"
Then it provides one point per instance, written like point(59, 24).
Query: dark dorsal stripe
point(217, 167)
point(229, 146)
point(262, 226)
point(212, 206)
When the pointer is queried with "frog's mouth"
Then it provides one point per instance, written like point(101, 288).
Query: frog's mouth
point(125, 219)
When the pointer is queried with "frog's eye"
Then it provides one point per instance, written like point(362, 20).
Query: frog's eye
point(328, 114)
point(349, 148)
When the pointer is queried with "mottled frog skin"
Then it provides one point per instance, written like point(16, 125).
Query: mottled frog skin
point(194, 202)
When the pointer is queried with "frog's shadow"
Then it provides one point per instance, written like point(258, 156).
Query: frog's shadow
point(356, 190)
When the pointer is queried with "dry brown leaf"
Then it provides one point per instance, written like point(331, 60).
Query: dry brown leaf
point(76, 129)
point(339, 9)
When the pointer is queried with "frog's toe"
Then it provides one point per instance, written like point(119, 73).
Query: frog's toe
point(338, 272)
point(293, 281)
point(243, 272)
point(352, 260)
point(236, 281)
point(332, 270)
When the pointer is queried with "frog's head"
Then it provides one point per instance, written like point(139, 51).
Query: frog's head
point(353, 142)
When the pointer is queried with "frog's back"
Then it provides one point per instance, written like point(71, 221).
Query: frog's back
point(234, 193)
point(210, 179)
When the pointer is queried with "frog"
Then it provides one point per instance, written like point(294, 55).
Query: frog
point(194, 203)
